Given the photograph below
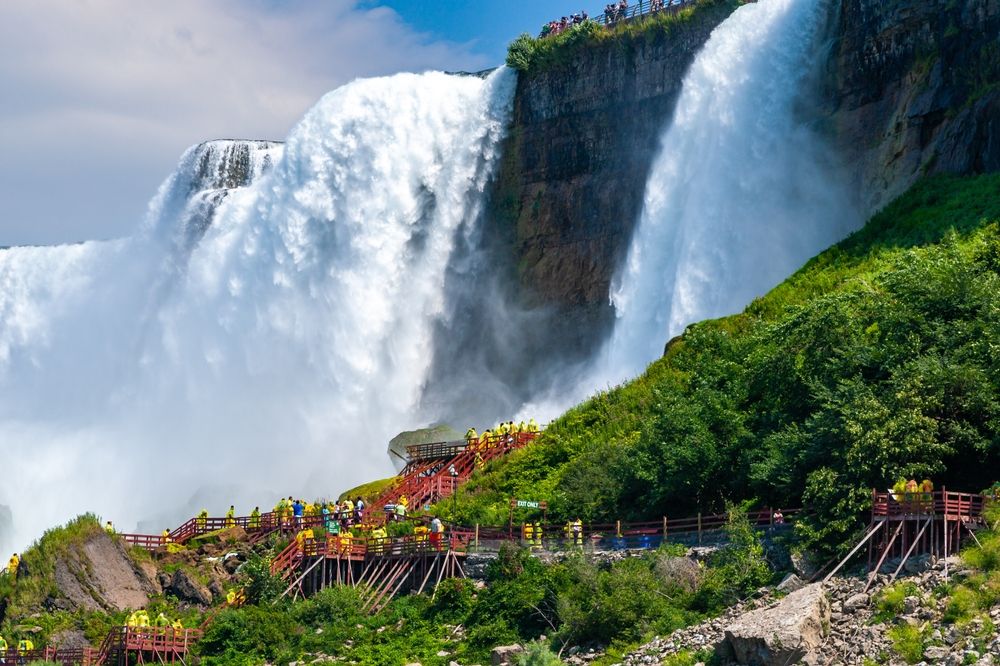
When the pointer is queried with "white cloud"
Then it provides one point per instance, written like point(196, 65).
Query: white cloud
point(100, 97)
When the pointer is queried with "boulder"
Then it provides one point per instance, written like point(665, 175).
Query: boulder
point(859, 600)
point(505, 655)
point(790, 583)
point(782, 634)
point(186, 588)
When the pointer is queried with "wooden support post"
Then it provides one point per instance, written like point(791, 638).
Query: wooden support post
point(872, 530)
point(944, 497)
point(974, 537)
point(437, 582)
point(885, 553)
point(477, 538)
point(929, 521)
point(429, 570)
point(699, 528)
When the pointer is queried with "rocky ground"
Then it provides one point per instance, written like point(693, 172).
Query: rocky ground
point(834, 623)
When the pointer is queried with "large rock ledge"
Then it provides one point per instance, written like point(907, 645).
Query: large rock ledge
point(784, 634)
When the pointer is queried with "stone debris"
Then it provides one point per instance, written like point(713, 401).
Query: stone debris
point(852, 635)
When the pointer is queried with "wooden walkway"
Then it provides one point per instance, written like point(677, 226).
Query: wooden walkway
point(904, 525)
point(122, 646)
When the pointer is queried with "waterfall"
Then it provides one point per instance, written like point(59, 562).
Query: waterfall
point(267, 328)
point(742, 193)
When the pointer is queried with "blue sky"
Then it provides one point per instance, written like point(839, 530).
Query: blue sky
point(101, 98)
point(487, 26)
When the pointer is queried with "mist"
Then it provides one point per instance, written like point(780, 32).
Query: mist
point(251, 339)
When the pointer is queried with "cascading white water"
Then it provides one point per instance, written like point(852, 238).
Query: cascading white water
point(268, 333)
point(742, 192)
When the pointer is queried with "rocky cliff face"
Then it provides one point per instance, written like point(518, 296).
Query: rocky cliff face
point(98, 574)
point(913, 88)
point(910, 88)
point(570, 187)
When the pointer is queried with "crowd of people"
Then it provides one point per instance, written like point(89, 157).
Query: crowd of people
point(140, 620)
point(613, 13)
point(334, 516)
point(506, 431)
point(565, 23)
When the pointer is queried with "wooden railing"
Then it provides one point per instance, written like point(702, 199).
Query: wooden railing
point(158, 640)
point(954, 505)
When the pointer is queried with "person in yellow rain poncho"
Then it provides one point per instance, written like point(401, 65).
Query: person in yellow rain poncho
point(255, 518)
point(3, 647)
point(532, 425)
point(420, 533)
point(201, 522)
point(165, 537)
point(344, 540)
point(304, 538)
point(161, 621)
point(528, 534)
point(379, 538)
point(138, 620)
point(25, 645)
point(13, 564)
point(231, 516)
point(109, 527)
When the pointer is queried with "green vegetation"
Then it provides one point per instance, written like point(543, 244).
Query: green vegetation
point(572, 601)
point(367, 491)
point(890, 602)
point(908, 642)
point(27, 595)
point(37, 589)
point(873, 362)
point(534, 54)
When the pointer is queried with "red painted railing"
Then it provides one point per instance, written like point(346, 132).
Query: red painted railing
point(954, 505)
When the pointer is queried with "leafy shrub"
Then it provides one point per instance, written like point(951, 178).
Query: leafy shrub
point(621, 603)
point(962, 604)
point(538, 654)
point(246, 635)
point(738, 569)
point(259, 584)
point(333, 604)
point(520, 52)
point(890, 603)
point(454, 599)
point(908, 642)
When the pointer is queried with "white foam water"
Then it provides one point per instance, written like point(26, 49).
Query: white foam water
point(267, 329)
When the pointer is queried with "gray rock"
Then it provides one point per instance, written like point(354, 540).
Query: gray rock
point(187, 588)
point(505, 655)
point(860, 600)
point(935, 653)
point(918, 564)
point(782, 634)
point(790, 583)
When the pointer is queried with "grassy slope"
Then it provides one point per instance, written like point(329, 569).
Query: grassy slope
point(868, 363)
point(22, 600)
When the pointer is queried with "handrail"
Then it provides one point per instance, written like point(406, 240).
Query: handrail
point(919, 503)
point(634, 11)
